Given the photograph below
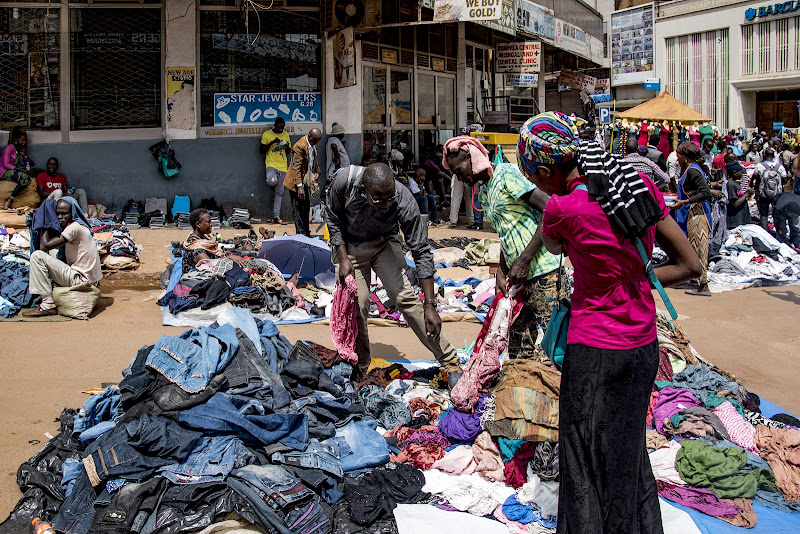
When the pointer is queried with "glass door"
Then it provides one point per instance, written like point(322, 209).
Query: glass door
point(388, 113)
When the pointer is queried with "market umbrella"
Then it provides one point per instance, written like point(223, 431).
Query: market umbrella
point(291, 253)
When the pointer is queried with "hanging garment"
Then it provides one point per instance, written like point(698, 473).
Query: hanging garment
point(344, 317)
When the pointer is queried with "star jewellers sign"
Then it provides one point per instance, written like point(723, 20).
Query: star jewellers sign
point(772, 9)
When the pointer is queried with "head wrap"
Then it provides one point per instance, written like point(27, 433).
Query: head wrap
point(477, 153)
point(549, 138)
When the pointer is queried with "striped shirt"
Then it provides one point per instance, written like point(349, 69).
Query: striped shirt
point(514, 220)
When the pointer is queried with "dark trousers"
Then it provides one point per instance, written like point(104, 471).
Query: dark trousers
point(606, 482)
point(764, 207)
point(301, 210)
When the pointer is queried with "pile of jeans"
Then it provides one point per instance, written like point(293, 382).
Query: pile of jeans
point(14, 285)
point(219, 422)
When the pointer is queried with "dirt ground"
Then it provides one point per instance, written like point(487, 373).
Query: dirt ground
point(43, 367)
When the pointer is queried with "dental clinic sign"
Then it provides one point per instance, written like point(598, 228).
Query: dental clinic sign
point(772, 9)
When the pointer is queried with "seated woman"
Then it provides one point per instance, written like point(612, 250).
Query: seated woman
point(14, 163)
point(201, 245)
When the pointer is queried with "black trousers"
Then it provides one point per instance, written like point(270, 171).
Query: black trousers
point(764, 207)
point(301, 209)
point(606, 482)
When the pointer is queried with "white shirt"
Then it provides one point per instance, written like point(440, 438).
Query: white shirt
point(312, 152)
point(345, 159)
point(673, 167)
point(414, 186)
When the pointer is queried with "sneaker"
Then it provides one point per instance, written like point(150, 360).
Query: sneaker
point(452, 225)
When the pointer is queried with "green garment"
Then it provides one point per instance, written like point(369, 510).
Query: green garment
point(720, 470)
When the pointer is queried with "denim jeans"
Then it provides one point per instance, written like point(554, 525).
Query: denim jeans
point(279, 499)
point(75, 515)
point(276, 346)
point(316, 456)
point(475, 193)
point(97, 408)
point(248, 374)
point(249, 420)
point(212, 460)
point(133, 451)
point(191, 359)
point(367, 446)
point(91, 434)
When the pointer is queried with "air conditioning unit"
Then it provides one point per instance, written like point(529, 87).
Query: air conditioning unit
point(340, 14)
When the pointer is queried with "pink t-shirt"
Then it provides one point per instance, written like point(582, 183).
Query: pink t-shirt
point(612, 305)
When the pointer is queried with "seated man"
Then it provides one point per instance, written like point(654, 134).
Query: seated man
point(425, 200)
point(83, 261)
point(52, 184)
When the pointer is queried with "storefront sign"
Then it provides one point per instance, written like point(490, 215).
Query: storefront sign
point(632, 46)
point(577, 80)
point(344, 59)
point(652, 84)
point(777, 126)
point(603, 86)
point(522, 80)
point(389, 56)
point(772, 9)
point(495, 117)
point(522, 56)
point(180, 98)
point(265, 45)
point(257, 109)
point(437, 64)
point(507, 23)
point(571, 38)
point(535, 19)
point(449, 10)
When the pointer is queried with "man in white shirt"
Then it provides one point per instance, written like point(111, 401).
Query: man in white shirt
point(337, 155)
point(83, 261)
point(771, 175)
point(673, 169)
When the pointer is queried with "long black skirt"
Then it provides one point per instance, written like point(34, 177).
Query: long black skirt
point(606, 483)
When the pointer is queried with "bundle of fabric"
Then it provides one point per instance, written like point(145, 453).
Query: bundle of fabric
point(14, 284)
point(117, 249)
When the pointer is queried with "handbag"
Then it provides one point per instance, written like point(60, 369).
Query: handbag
point(554, 342)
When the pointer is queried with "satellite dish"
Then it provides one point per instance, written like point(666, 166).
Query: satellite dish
point(349, 12)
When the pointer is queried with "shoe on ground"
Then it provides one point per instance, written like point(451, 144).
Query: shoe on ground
point(475, 226)
point(452, 225)
point(38, 312)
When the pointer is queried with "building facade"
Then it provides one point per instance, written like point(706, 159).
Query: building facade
point(96, 83)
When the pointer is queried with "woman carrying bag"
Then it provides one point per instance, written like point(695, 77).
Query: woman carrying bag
point(599, 208)
point(693, 210)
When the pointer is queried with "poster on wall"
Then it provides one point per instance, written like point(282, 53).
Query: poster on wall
point(450, 10)
point(522, 80)
point(577, 80)
point(524, 56)
point(260, 109)
point(344, 59)
point(507, 23)
point(632, 46)
point(535, 19)
point(180, 98)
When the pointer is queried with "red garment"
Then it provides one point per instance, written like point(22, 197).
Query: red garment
point(663, 143)
point(664, 365)
point(718, 162)
point(423, 455)
point(51, 183)
point(344, 319)
point(643, 135)
point(516, 470)
point(485, 360)
point(651, 406)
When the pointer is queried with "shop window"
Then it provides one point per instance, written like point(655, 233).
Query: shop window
point(670, 48)
point(446, 97)
point(697, 69)
point(283, 57)
point(782, 38)
point(426, 98)
point(116, 68)
point(29, 68)
point(748, 61)
point(764, 50)
point(374, 95)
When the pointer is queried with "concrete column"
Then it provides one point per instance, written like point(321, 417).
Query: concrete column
point(461, 78)
point(541, 91)
point(343, 105)
point(180, 50)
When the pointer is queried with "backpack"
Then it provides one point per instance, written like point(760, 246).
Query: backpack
point(770, 181)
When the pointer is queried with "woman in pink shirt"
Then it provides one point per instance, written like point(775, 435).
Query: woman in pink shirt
point(599, 206)
point(15, 165)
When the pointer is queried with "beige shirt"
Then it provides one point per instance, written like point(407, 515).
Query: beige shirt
point(81, 252)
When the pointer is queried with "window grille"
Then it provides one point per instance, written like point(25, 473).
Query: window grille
point(764, 50)
point(748, 66)
point(782, 42)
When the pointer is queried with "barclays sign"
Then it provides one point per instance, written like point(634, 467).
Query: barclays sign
point(772, 9)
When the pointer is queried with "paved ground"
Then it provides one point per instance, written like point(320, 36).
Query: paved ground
point(43, 367)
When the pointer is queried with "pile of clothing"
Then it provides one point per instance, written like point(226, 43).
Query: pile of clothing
point(752, 256)
point(218, 284)
point(231, 426)
point(712, 450)
point(14, 294)
point(117, 249)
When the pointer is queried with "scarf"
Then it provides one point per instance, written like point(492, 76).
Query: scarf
point(207, 243)
point(620, 191)
point(477, 153)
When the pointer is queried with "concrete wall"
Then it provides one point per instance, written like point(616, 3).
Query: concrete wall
point(112, 172)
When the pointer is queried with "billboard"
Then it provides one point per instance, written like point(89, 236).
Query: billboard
point(632, 50)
